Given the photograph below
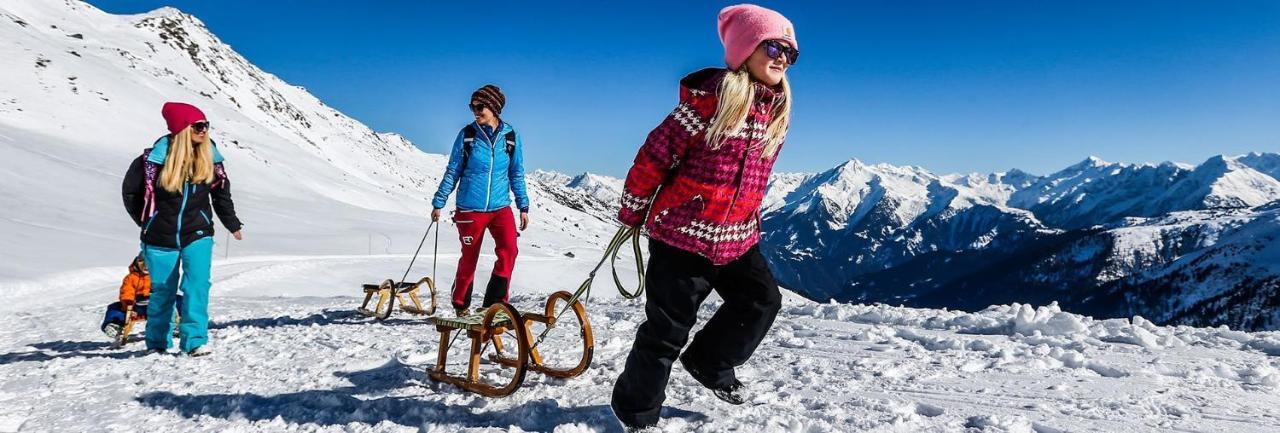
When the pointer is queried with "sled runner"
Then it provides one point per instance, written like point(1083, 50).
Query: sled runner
point(123, 337)
point(487, 329)
point(518, 354)
point(390, 288)
point(129, 319)
point(390, 291)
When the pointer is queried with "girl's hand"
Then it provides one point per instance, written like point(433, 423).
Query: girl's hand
point(237, 235)
point(435, 215)
point(524, 220)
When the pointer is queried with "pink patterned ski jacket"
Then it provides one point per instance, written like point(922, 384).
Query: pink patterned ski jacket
point(709, 200)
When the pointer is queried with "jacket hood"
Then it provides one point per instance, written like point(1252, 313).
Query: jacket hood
point(133, 269)
point(708, 80)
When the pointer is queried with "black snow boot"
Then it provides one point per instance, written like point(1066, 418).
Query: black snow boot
point(734, 393)
point(731, 391)
point(631, 425)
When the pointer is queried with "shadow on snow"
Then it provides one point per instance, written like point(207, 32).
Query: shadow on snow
point(51, 350)
point(341, 406)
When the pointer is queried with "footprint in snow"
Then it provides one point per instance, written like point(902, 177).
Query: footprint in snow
point(929, 411)
point(796, 343)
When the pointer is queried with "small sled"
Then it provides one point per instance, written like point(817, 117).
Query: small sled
point(123, 338)
point(486, 329)
point(389, 289)
point(129, 320)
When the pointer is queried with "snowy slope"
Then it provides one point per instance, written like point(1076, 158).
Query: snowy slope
point(1231, 278)
point(80, 99)
point(589, 193)
point(301, 361)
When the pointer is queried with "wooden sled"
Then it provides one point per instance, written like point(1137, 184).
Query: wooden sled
point(490, 326)
point(401, 290)
point(123, 338)
point(129, 320)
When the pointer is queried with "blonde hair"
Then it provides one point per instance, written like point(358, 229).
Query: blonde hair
point(736, 94)
point(186, 161)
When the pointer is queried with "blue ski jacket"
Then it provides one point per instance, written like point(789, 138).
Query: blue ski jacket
point(485, 173)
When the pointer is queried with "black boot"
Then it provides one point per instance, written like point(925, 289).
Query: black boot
point(631, 425)
point(497, 290)
point(731, 391)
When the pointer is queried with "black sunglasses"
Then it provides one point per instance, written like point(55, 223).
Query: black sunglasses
point(773, 49)
point(475, 108)
point(200, 126)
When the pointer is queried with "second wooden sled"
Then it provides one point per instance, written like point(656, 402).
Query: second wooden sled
point(487, 329)
point(390, 288)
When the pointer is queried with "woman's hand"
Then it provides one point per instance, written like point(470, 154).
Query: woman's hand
point(237, 235)
point(524, 220)
point(435, 215)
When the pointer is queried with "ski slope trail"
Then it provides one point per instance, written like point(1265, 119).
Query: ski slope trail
point(290, 355)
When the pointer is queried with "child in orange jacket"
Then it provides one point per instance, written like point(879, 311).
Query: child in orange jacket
point(134, 293)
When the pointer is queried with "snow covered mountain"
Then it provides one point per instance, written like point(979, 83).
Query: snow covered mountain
point(600, 196)
point(80, 98)
point(1232, 279)
point(1106, 239)
point(857, 218)
point(1096, 192)
point(1114, 240)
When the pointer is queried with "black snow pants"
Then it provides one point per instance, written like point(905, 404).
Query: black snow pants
point(677, 282)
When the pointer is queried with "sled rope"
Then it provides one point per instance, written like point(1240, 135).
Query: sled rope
point(391, 302)
point(610, 255)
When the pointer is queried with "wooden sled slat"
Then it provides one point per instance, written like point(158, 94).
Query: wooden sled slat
point(413, 305)
point(520, 355)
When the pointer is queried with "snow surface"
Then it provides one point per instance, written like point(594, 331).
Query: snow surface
point(291, 356)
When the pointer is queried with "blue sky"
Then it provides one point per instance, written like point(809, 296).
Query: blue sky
point(951, 86)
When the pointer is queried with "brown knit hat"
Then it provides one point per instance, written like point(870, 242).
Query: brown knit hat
point(490, 96)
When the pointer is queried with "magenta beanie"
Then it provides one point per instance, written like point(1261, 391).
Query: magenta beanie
point(743, 27)
point(179, 116)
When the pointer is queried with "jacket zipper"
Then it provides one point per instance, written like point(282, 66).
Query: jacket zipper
point(737, 185)
point(493, 147)
point(177, 236)
point(737, 188)
point(148, 225)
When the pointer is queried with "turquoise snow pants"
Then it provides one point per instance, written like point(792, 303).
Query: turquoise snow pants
point(195, 260)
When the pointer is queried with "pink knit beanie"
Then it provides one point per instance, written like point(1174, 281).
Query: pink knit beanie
point(179, 116)
point(743, 27)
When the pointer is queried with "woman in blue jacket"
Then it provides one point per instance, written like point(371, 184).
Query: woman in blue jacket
point(487, 166)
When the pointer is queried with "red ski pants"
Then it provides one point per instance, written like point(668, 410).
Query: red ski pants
point(471, 226)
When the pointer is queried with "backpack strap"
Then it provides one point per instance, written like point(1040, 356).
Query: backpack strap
point(150, 171)
point(468, 137)
point(511, 143)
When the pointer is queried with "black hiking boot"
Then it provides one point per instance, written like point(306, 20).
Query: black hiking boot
point(733, 393)
point(631, 427)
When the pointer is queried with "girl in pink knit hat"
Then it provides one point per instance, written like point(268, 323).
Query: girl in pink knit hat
point(696, 186)
point(172, 192)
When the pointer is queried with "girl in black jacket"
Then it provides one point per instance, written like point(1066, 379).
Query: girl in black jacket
point(168, 192)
